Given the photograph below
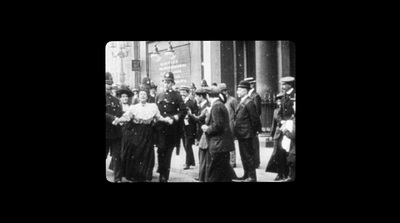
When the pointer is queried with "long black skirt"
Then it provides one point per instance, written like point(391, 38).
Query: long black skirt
point(278, 163)
point(138, 152)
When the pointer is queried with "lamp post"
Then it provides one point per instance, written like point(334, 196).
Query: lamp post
point(123, 53)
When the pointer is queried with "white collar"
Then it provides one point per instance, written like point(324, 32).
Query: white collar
point(203, 103)
point(289, 91)
point(251, 91)
point(242, 99)
point(186, 99)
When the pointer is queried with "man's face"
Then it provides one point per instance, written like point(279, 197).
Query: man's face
point(167, 85)
point(241, 92)
point(278, 102)
point(124, 98)
point(152, 91)
point(198, 98)
point(184, 94)
point(225, 92)
point(286, 86)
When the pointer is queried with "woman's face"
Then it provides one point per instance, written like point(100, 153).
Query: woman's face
point(142, 96)
point(124, 98)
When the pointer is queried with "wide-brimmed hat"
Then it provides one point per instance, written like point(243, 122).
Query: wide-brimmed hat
point(244, 84)
point(169, 76)
point(223, 87)
point(124, 90)
point(201, 91)
point(214, 91)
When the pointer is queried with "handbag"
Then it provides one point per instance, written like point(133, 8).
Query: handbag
point(203, 142)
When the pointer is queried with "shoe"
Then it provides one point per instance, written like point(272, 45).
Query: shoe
point(196, 178)
point(241, 178)
point(163, 179)
point(233, 165)
point(278, 178)
point(186, 167)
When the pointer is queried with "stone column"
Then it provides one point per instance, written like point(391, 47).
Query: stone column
point(266, 67)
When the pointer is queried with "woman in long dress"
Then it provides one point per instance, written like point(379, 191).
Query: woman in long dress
point(138, 156)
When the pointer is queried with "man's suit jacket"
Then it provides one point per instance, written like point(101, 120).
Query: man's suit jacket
point(190, 130)
point(219, 135)
point(256, 98)
point(247, 121)
point(231, 104)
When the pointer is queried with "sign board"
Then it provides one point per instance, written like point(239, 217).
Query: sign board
point(135, 65)
point(179, 65)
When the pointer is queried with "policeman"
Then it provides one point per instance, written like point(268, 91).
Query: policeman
point(170, 104)
point(113, 132)
point(288, 98)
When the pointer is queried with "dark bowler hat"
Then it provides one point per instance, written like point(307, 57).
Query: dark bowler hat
point(251, 80)
point(214, 91)
point(287, 79)
point(204, 83)
point(109, 79)
point(223, 86)
point(124, 90)
point(192, 86)
point(244, 84)
point(184, 88)
point(169, 76)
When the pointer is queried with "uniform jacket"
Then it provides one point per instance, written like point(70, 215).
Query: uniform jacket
point(287, 106)
point(199, 119)
point(247, 121)
point(113, 110)
point(219, 135)
point(170, 103)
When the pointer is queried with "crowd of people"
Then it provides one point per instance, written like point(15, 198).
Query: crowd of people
point(140, 120)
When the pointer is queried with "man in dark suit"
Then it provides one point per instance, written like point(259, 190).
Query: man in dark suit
point(247, 123)
point(199, 118)
point(219, 138)
point(147, 83)
point(113, 132)
point(171, 105)
point(188, 125)
point(256, 98)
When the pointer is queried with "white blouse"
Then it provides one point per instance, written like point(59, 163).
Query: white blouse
point(142, 113)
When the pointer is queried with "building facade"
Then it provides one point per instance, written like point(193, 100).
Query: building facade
point(215, 61)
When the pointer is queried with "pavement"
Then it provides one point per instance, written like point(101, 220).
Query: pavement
point(177, 173)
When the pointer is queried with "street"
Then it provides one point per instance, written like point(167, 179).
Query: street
point(177, 173)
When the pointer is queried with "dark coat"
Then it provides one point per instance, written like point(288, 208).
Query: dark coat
point(287, 106)
point(231, 104)
point(190, 130)
point(199, 120)
point(276, 124)
point(113, 110)
point(256, 98)
point(219, 135)
point(247, 121)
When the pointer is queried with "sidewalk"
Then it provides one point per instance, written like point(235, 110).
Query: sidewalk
point(177, 173)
